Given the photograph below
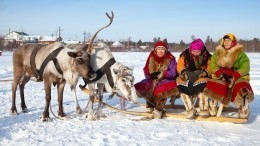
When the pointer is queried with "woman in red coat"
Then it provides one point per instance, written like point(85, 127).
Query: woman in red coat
point(159, 83)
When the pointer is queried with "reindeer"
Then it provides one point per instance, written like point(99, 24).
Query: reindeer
point(53, 64)
point(109, 74)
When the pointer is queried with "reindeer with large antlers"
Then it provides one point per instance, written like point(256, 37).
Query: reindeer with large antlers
point(109, 74)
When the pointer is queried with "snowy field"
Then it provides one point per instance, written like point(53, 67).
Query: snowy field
point(117, 129)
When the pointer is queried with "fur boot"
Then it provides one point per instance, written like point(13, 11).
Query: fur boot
point(204, 105)
point(213, 107)
point(149, 110)
point(157, 114)
point(242, 101)
point(188, 102)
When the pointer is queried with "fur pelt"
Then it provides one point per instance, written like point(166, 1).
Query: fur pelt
point(170, 93)
point(217, 97)
point(154, 66)
point(227, 58)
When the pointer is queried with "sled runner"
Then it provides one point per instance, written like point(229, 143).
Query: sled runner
point(7, 80)
point(178, 112)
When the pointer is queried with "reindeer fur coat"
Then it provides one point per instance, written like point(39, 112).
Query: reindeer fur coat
point(167, 66)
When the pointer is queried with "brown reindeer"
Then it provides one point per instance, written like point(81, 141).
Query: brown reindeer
point(53, 64)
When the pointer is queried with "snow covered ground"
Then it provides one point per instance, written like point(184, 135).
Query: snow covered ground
point(117, 129)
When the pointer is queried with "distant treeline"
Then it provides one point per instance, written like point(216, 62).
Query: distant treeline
point(140, 46)
point(249, 45)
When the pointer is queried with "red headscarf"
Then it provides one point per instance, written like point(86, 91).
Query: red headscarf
point(158, 59)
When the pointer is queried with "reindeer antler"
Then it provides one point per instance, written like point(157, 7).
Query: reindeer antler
point(94, 36)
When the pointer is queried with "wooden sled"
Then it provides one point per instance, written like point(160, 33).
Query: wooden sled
point(218, 118)
point(171, 113)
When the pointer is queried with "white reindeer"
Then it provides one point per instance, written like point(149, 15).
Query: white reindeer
point(111, 75)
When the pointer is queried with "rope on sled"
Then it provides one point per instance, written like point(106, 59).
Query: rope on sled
point(128, 112)
point(8, 80)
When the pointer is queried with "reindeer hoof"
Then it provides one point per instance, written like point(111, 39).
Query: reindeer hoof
point(25, 110)
point(91, 118)
point(45, 119)
point(101, 115)
point(14, 113)
point(63, 118)
point(79, 111)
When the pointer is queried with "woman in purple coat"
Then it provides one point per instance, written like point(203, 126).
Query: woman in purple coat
point(159, 83)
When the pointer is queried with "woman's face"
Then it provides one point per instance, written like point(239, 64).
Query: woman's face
point(196, 52)
point(160, 51)
point(227, 43)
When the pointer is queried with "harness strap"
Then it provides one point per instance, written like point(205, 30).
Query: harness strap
point(57, 65)
point(33, 63)
point(51, 56)
point(105, 69)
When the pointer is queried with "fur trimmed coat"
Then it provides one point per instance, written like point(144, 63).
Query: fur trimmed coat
point(234, 64)
point(167, 66)
point(190, 63)
point(234, 59)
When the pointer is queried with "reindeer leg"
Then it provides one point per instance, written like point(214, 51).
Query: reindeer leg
point(100, 99)
point(18, 74)
point(45, 114)
point(14, 88)
point(21, 87)
point(122, 103)
point(77, 107)
point(60, 89)
point(91, 115)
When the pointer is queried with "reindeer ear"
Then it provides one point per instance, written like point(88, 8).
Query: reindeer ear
point(115, 71)
point(72, 54)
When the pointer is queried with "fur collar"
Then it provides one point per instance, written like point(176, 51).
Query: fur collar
point(227, 58)
point(155, 66)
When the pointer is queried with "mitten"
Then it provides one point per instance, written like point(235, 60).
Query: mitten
point(160, 76)
point(201, 73)
point(192, 77)
point(154, 75)
point(236, 76)
point(189, 75)
point(218, 74)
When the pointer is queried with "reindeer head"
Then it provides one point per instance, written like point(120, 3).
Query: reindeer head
point(125, 83)
point(80, 62)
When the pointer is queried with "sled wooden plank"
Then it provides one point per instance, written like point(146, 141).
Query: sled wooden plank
point(214, 119)
point(177, 106)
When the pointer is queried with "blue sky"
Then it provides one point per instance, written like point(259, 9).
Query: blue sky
point(137, 19)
